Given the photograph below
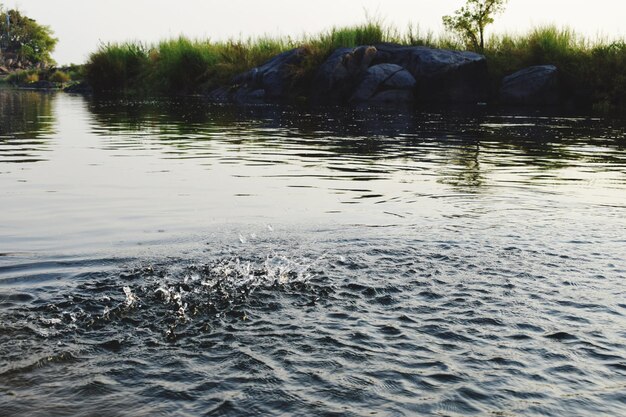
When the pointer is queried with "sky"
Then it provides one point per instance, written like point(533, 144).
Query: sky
point(82, 25)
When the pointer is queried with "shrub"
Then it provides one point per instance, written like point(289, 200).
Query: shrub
point(23, 77)
point(59, 77)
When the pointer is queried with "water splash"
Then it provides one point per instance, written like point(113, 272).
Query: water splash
point(174, 295)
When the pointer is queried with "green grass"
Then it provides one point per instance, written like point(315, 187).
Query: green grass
point(592, 70)
point(58, 76)
point(118, 67)
point(23, 77)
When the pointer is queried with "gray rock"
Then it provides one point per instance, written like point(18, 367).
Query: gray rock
point(385, 83)
point(393, 97)
point(442, 76)
point(221, 94)
point(40, 85)
point(339, 75)
point(538, 85)
point(79, 88)
point(383, 73)
point(270, 81)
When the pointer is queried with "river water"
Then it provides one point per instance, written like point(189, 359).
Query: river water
point(170, 257)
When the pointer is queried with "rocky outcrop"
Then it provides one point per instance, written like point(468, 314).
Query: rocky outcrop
point(385, 73)
point(385, 83)
point(79, 88)
point(339, 75)
point(538, 85)
point(442, 76)
point(271, 81)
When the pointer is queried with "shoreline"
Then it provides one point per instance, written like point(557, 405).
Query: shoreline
point(577, 72)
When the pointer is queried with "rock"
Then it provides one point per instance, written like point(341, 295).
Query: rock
point(221, 94)
point(385, 83)
point(79, 88)
point(270, 81)
point(41, 85)
point(338, 76)
point(538, 85)
point(442, 76)
point(380, 73)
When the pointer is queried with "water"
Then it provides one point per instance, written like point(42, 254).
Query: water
point(169, 257)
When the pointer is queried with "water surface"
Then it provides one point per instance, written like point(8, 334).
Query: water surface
point(169, 257)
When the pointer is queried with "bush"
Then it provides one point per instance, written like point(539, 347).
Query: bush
point(59, 77)
point(23, 77)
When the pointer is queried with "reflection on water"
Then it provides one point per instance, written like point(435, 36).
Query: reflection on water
point(459, 139)
point(25, 117)
point(178, 258)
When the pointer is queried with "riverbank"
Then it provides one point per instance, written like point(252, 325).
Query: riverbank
point(53, 78)
point(587, 74)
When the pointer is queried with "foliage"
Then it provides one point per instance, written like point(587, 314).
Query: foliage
point(23, 77)
point(470, 21)
point(118, 67)
point(22, 37)
point(592, 72)
point(30, 76)
point(59, 77)
point(181, 64)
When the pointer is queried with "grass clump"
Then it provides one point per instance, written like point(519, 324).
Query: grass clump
point(118, 67)
point(23, 77)
point(177, 66)
point(591, 71)
point(181, 64)
point(59, 77)
point(31, 76)
point(236, 57)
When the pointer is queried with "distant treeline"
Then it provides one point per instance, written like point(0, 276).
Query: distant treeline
point(592, 71)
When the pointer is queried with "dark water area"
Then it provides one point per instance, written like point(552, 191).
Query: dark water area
point(170, 257)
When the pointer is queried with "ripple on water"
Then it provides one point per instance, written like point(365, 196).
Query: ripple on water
point(434, 264)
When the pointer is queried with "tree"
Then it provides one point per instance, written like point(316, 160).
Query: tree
point(22, 38)
point(470, 21)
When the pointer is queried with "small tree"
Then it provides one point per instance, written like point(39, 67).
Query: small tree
point(470, 21)
point(22, 37)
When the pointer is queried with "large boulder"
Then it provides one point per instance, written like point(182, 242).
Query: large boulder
point(385, 83)
point(270, 81)
point(338, 76)
point(79, 88)
point(538, 85)
point(381, 73)
point(442, 76)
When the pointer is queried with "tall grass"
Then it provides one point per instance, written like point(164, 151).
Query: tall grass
point(592, 71)
point(118, 67)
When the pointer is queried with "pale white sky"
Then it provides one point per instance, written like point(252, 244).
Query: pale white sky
point(81, 25)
